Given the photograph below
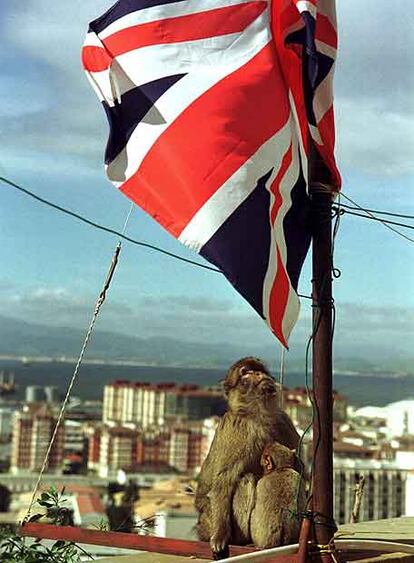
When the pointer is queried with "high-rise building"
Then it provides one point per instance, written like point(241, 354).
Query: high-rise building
point(118, 450)
point(153, 448)
point(35, 394)
point(147, 405)
point(6, 415)
point(74, 437)
point(32, 431)
point(177, 446)
point(93, 435)
point(297, 403)
point(52, 394)
point(384, 493)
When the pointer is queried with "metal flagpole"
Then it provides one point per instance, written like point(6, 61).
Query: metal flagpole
point(322, 475)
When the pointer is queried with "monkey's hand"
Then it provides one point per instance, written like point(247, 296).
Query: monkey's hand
point(220, 503)
point(219, 543)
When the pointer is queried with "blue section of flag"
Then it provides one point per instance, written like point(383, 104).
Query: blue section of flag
point(240, 248)
point(133, 107)
point(316, 65)
point(297, 229)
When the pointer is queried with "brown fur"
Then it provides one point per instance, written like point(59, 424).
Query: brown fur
point(253, 420)
point(280, 494)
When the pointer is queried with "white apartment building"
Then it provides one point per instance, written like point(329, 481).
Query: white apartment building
point(117, 450)
point(32, 431)
point(179, 446)
point(144, 405)
point(398, 417)
point(133, 403)
point(385, 492)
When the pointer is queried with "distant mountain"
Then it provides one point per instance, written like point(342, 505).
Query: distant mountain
point(19, 338)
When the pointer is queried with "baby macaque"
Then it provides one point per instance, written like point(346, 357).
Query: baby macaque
point(280, 499)
point(253, 420)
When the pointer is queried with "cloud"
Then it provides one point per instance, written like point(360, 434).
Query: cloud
point(188, 318)
point(61, 113)
point(381, 318)
point(375, 54)
point(361, 330)
point(374, 82)
point(374, 140)
point(184, 304)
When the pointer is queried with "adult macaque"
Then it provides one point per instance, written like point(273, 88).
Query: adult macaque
point(280, 499)
point(253, 420)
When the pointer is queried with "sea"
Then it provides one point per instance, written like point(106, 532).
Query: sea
point(360, 389)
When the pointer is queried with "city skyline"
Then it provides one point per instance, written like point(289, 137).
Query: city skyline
point(147, 433)
point(54, 137)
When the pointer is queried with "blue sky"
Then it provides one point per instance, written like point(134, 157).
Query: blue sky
point(53, 134)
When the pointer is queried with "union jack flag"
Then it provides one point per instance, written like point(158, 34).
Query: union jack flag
point(210, 105)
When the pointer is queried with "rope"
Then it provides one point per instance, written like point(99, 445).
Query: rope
point(98, 305)
point(282, 373)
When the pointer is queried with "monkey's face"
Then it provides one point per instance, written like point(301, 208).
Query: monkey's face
point(249, 384)
point(276, 456)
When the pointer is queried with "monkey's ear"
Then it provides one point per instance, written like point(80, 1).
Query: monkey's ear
point(267, 462)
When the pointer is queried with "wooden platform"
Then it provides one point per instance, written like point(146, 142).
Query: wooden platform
point(399, 530)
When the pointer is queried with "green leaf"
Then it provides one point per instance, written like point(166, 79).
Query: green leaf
point(35, 517)
point(46, 503)
point(59, 544)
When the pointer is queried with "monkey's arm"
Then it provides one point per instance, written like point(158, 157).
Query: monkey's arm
point(228, 463)
point(285, 432)
point(207, 471)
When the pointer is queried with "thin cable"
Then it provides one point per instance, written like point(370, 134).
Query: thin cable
point(378, 212)
point(131, 208)
point(98, 305)
point(385, 223)
point(336, 272)
point(106, 229)
point(115, 232)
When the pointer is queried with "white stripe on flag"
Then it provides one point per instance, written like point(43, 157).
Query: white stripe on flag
point(165, 11)
point(325, 49)
point(305, 6)
point(293, 304)
point(235, 190)
point(206, 73)
point(278, 238)
point(323, 99)
point(303, 156)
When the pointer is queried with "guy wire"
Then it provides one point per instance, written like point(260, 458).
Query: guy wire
point(98, 305)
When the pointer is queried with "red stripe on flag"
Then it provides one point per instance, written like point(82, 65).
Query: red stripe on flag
point(95, 59)
point(275, 187)
point(278, 299)
point(221, 21)
point(327, 131)
point(325, 31)
point(209, 141)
